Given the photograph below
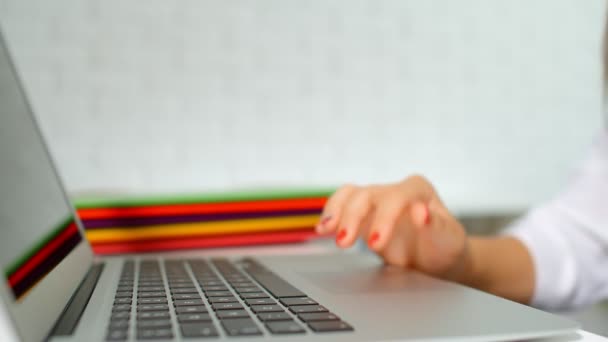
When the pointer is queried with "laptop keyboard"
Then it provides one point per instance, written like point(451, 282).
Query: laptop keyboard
point(198, 298)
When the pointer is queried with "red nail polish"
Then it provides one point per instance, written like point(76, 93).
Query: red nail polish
point(341, 235)
point(373, 238)
point(325, 220)
point(427, 217)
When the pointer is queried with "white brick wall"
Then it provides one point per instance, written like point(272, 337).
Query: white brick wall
point(494, 100)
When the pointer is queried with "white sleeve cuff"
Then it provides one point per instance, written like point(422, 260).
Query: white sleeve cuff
point(554, 264)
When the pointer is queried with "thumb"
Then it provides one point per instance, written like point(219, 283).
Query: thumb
point(438, 243)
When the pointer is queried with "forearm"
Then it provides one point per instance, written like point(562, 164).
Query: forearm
point(501, 266)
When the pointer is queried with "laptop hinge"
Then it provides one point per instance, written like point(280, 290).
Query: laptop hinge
point(70, 317)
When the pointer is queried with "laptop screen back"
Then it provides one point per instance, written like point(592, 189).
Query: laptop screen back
point(43, 256)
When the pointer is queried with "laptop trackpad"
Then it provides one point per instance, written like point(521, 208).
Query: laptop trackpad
point(380, 279)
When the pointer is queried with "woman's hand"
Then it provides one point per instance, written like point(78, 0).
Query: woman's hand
point(405, 223)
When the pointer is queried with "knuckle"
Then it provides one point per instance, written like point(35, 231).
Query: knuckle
point(331, 201)
point(395, 199)
point(417, 178)
point(348, 187)
point(418, 181)
point(363, 197)
point(358, 205)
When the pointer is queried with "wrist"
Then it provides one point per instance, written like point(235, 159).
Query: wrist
point(500, 265)
point(464, 271)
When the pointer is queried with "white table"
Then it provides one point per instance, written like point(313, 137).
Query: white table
point(581, 335)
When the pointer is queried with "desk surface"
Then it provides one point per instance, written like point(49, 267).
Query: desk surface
point(582, 336)
point(317, 247)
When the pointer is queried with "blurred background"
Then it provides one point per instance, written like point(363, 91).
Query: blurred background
point(495, 101)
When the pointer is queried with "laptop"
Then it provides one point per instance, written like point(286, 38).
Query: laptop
point(55, 289)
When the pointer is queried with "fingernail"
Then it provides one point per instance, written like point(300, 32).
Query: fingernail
point(373, 238)
point(325, 219)
point(427, 217)
point(341, 235)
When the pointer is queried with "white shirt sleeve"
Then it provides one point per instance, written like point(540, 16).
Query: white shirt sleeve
point(568, 237)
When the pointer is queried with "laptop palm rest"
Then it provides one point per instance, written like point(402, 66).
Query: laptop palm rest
point(370, 280)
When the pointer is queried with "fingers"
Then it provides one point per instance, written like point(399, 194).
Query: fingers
point(403, 205)
point(440, 238)
point(388, 212)
point(355, 212)
point(333, 209)
point(421, 215)
point(409, 198)
point(395, 230)
point(429, 223)
point(417, 188)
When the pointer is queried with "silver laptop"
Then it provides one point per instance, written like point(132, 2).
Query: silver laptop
point(56, 289)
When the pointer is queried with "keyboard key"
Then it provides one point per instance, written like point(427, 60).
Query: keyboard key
point(230, 299)
point(181, 285)
point(151, 289)
point(211, 283)
point(198, 330)
point(154, 334)
point(151, 283)
point(188, 302)
point(179, 280)
point(153, 307)
point(153, 315)
point(260, 301)
point(232, 273)
point(184, 290)
point(242, 284)
point(206, 275)
point(190, 309)
point(247, 289)
point(124, 289)
point(117, 335)
point(183, 277)
point(118, 315)
point(119, 324)
point(325, 326)
point(215, 288)
point(266, 308)
point(297, 301)
point(153, 323)
point(307, 308)
point(274, 316)
point(186, 296)
point(152, 300)
point(227, 314)
point(285, 327)
point(121, 307)
point(240, 327)
point(156, 294)
point(278, 287)
point(122, 301)
point(318, 316)
point(156, 279)
point(218, 293)
point(197, 317)
point(123, 294)
point(226, 306)
point(253, 295)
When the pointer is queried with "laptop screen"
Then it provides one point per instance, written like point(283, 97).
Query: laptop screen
point(40, 232)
